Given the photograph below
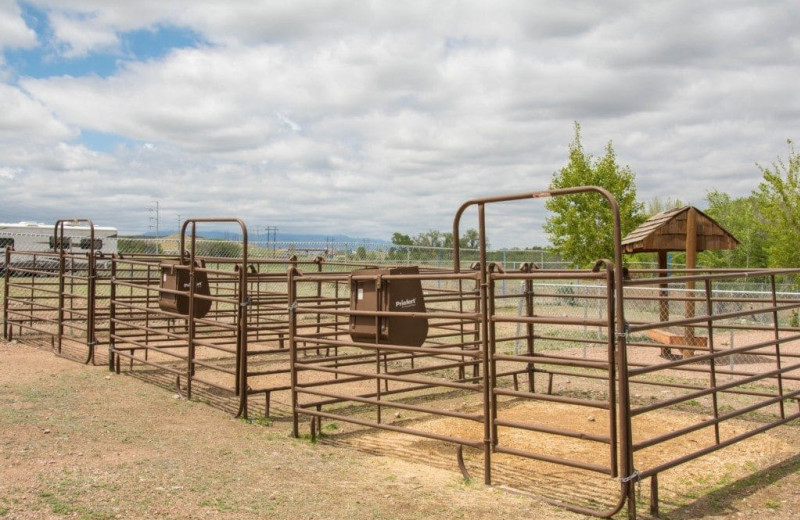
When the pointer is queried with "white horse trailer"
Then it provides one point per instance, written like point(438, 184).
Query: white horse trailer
point(25, 237)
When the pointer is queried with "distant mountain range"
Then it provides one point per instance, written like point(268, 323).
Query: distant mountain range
point(287, 237)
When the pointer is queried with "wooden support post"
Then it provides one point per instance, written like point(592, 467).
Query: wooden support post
point(691, 263)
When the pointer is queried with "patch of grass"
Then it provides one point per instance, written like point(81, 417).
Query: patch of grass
point(309, 438)
point(57, 505)
point(62, 499)
point(772, 504)
point(260, 421)
point(94, 515)
point(225, 452)
point(220, 504)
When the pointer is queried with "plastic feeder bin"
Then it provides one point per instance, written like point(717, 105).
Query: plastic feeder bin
point(400, 295)
point(174, 278)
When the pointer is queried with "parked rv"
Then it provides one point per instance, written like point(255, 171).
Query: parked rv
point(29, 237)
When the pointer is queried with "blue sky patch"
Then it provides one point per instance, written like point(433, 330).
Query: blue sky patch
point(146, 44)
point(45, 60)
point(103, 142)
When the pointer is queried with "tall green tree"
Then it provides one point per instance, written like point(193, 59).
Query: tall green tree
point(779, 203)
point(400, 243)
point(741, 218)
point(432, 238)
point(580, 226)
point(470, 239)
point(658, 205)
point(399, 239)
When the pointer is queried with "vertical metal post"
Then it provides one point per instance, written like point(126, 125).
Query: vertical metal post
point(612, 372)
point(691, 255)
point(712, 372)
point(190, 317)
point(492, 368)
point(487, 381)
point(59, 247)
point(529, 334)
point(292, 300)
point(379, 307)
point(7, 265)
point(776, 329)
point(91, 273)
point(112, 314)
point(243, 309)
point(654, 495)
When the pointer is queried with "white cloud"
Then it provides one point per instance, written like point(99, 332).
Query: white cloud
point(14, 32)
point(24, 119)
point(369, 118)
point(9, 173)
point(78, 35)
point(291, 124)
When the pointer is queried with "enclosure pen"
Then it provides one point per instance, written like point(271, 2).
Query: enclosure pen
point(373, 376)
point(52, 294)
point(574, 386)
point(220, 322)
point(760, 338)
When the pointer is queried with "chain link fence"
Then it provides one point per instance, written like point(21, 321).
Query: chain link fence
point(358, 251)
point(574, 299)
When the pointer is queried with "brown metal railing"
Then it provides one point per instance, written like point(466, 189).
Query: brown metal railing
point(52, 294)
point(504, 373)
point(697, 376)
point(378, 377)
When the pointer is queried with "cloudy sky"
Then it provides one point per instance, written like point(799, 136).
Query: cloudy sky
point(370, 117)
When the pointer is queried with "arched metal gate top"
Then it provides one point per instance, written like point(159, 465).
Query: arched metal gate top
point(626, 441)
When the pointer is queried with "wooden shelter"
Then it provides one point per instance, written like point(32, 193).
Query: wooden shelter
point(682, 229)
point(670, 231)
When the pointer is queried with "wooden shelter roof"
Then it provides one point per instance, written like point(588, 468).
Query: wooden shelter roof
point(666, 231)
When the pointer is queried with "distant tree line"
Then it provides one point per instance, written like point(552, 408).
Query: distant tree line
point(766, 222)
point(435, 238)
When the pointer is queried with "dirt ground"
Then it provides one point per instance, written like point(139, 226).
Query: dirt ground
point(79, 442)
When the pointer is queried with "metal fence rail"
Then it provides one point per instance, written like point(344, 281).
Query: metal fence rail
point(614, 374)
point(230, 337)
point(685, 362)
point(554, 333)
point(51, 294)
point(363, 373)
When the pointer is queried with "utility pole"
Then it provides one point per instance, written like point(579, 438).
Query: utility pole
point(272, 236)
point(155, 219)
point(272, 233)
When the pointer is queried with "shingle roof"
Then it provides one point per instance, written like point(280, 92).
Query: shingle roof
point(666, 231)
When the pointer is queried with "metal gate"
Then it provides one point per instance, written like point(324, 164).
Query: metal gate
point(52, 294)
